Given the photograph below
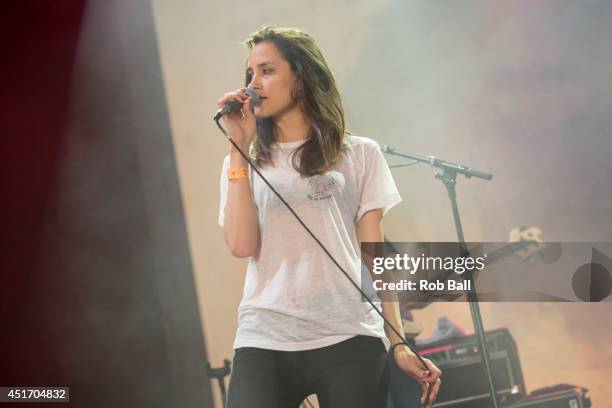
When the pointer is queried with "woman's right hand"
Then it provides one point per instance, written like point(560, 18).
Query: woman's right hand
point(240, 125)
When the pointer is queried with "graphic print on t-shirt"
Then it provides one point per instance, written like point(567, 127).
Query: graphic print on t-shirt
point(322, 185)
point(303, 190)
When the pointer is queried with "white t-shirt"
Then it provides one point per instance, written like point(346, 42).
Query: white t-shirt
point(295, 297)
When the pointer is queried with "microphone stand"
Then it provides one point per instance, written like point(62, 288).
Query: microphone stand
point(220, 373)
point(447, 173)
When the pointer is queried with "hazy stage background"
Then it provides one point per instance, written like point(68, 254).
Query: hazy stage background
point(521, 89)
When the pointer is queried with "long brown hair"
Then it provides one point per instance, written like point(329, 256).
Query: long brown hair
point(316, 87)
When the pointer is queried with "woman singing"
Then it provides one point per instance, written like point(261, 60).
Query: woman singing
point(302, 327)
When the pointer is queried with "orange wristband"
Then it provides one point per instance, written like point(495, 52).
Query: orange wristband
point(237, 173)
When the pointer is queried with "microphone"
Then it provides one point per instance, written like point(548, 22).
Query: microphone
point(233, 106)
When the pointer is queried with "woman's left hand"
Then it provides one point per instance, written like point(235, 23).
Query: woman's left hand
point(409, 363)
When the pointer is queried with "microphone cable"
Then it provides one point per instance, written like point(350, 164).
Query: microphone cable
point(297, 217)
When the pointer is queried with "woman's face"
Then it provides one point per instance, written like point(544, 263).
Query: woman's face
point(272, 77)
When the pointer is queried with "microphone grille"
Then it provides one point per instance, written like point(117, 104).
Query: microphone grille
point(254, 96)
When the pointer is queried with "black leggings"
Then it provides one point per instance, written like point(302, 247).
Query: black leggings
point(352, 373)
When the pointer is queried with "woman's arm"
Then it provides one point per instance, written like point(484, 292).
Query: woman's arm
point(370, 229)
point(240, 225)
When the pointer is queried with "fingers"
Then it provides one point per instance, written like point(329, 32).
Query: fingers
point(432, 379)
point(238, 96)
point(246, 108)
point(434, 391)
point(429, 373)
point(424, 392)
point(432, 372)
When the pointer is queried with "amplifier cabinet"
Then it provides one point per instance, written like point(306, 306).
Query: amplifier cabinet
point(464, 379)
point(575, 398)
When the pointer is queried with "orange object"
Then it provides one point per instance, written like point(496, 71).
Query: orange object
point(237, 172)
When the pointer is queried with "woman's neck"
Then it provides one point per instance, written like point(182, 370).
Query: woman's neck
point(291, 127)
